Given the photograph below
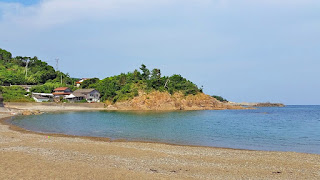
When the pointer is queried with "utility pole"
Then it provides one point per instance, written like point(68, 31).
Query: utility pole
point(57, 68)
point(26, 68)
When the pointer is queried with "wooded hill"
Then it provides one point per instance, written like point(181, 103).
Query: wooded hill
point(32, 71)
point(28, 70)
point(126, 86)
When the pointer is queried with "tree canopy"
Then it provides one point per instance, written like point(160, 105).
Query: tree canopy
point(126, 86)
point(27, 70)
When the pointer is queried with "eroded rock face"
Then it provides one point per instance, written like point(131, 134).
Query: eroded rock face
point(164, 101)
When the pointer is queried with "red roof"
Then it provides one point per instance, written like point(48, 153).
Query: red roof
point(60, 89)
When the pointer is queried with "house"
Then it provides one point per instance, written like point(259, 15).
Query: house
point(61, 91)
point(42, 97)
point(78, 83)
point(90, 95)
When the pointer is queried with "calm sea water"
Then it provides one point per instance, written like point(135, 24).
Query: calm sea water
point(292, 128)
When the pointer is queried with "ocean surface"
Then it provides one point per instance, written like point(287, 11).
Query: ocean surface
point(290, 128)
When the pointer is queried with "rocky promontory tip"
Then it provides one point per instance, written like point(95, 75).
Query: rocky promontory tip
point(268, 104)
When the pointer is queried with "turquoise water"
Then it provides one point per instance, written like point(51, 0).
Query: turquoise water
point(292, 128)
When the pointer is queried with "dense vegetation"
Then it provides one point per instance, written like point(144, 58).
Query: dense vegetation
point(15, 94)
point(32, 71)
point(126, 86)
point(28, 70)
point(219, 98)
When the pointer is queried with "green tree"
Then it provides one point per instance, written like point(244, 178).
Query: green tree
point(5, 56)
point(145, 72)
point(90, 83)
point(156, 74)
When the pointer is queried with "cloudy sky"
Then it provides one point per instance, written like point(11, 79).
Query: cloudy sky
point(243, 50)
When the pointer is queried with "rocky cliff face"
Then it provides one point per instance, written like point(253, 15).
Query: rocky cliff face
point(164, 101)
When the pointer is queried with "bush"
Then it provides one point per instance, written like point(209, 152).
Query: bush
point(83, 101)
point(219, 98)
point(16, 94)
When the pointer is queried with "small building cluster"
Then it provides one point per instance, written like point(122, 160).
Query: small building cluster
point(90, 95)
point(78, 83)
point(79, 95)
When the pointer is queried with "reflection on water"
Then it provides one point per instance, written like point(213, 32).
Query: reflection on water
point(292, 128)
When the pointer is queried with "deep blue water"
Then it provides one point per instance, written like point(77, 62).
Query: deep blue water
point(291, 128)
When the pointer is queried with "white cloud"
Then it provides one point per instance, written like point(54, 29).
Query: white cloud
point(54, 12)
point(48, 13)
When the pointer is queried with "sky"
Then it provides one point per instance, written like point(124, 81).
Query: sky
point(243, 50)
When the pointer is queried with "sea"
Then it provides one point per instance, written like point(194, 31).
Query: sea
point(292, 128)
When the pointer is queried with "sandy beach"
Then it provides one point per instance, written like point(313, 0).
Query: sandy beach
point(28, 155)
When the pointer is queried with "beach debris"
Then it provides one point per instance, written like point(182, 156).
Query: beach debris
point(277, 172)
point(154, 170)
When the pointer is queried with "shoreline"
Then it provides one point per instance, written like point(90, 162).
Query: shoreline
point(122, 106)
point(109, 139)
point(140, 160)
point(13, 127)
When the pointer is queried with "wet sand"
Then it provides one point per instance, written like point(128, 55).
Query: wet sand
point(28, 155)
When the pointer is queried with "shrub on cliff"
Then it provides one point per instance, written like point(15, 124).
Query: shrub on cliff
point(219, 98)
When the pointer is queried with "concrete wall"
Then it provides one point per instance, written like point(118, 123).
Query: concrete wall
point(53, 104)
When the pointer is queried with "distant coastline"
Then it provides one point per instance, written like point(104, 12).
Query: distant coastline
point(258, 104)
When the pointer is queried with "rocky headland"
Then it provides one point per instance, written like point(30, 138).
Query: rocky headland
point(164, 101)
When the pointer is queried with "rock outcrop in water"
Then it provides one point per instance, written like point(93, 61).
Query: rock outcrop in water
point(269, 105)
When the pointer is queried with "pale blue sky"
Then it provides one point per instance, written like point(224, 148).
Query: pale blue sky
point(243, 50)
